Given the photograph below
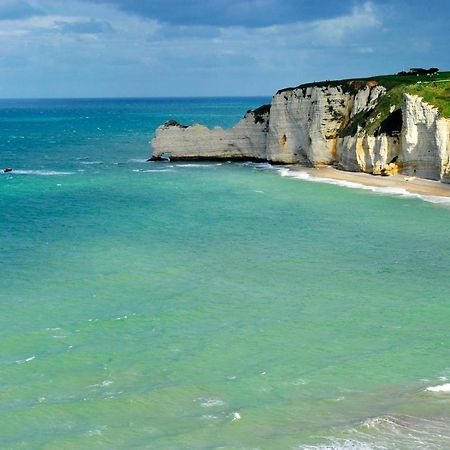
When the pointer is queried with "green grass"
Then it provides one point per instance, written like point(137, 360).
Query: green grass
point(437, 94)
point(435, 90)
point(388, 81)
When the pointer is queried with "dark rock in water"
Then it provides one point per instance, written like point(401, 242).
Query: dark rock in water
point(163, 157)
point(7, 170)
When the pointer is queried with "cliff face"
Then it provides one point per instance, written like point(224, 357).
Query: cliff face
point(425, 140)
point(246, 140)
point(368, 153)
point(326, 124)
point(304, 122)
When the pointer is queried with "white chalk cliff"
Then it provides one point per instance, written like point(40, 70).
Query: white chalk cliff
point(319, 124)
point(246, 140)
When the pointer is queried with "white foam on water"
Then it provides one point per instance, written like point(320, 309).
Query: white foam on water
point(195, 165)
point(138, 160)
point(390, 433)
point(236, 416)
point(347, 444)
point(104, 383)
point(23, 361)
point(210, 402)
point(260, 165)
point(38, 172)
point(121, 318)
point(156, 170)
point(352, 185)
point(88, 163)
point(440, 388)
point(338, 399)
point(97, 431)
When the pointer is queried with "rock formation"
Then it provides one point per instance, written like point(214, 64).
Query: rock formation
point(246, 140)
point(350, 125)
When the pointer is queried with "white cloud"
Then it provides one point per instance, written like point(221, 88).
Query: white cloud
point(336, 30)
point(82, 43)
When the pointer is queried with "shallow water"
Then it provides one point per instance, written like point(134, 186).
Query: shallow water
point(175, 306)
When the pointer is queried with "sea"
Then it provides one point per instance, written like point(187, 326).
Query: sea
point(213, 305)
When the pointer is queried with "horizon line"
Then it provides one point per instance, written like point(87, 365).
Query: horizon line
point(136, 97)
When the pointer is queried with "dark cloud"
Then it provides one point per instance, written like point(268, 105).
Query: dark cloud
point(249, 13)
point(92, 26)
point(17, 9)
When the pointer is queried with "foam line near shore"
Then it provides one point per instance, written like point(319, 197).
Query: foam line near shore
point(390, 186)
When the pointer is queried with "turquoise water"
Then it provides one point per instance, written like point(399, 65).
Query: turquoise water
point(203, 306)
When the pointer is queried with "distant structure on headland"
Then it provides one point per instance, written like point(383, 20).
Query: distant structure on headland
point(420, 71)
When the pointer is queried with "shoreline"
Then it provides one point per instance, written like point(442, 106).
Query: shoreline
point(392, 184)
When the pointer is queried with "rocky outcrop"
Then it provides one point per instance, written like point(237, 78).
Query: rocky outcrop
point(421, 148)
point(246, 140)
point(325, 124)
point(425, 140)
point(377, 155)
point(305, 122)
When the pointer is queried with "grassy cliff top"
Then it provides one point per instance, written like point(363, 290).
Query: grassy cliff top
point(434, 89)
point(388, 81)
point(436, 93)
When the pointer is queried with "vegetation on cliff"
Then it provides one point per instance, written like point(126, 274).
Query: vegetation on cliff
point(436, 93)
point(260, 113)
point(385, 117)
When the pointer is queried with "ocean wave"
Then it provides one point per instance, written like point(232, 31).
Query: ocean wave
point(138, 160)
point(38, 172)
point(195, 165)
point(391, 432)
point(439, 388)
point(155, 170)
point(209, 402)
point(26, 360)
point(88, 163)
point(347, 444)
point(259, 165)
point(104, 383)
point(352, 185)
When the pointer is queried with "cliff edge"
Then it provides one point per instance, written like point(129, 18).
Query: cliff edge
point(382, 125)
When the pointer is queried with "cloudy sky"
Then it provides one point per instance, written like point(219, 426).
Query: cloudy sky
point(115, 48)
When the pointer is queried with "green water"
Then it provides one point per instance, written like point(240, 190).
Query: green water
point(177, 306)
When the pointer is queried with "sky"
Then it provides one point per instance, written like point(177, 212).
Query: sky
point(182, 48)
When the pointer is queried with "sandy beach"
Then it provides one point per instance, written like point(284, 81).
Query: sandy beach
point(413, 185)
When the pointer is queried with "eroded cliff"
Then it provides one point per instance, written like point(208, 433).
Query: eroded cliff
point(246, 140)
point(356, 125)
